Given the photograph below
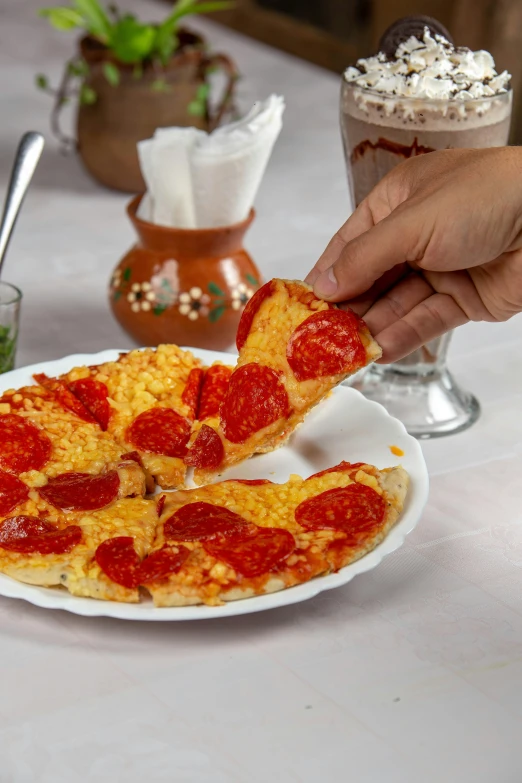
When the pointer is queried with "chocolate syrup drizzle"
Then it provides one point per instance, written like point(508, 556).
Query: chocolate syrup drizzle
point(402, 150)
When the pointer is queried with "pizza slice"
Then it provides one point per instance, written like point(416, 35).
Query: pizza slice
point(240, 538)
point(41, 440)
point(293, 349)
point(146, 401)
point(218, 543)
point(85, 553)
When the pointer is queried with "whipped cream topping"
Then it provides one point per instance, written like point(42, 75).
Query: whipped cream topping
point(432, 69)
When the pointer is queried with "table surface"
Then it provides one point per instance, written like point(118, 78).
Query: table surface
point(411, 672)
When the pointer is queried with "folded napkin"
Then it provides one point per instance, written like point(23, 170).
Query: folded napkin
point(200, 180)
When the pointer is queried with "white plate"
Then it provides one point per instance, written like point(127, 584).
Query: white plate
point(345, 427)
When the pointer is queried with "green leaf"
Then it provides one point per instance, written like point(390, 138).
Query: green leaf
point(111, 73)
point(165, 44)
point(42, 82)
point(215, 289)
point(202, 92)
point(252, 280)
point(216, 314)
point(182, 5)
point(87, 95)
point(160, 85)
point(131, 41)
point(209, 8)
point(116, 296)
point(186, 7)
point(166, 39)
point(127, 272)
point(63, 18)
point(78, 68)
point(159, 309)
point(95, 19)
point(196, 109)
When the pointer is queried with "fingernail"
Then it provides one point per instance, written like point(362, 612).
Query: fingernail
point(326, 284)
point(312, 276)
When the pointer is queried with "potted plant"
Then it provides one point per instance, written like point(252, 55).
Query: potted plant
point(131, 77)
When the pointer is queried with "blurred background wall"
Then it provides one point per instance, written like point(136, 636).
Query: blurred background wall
point(333, 33)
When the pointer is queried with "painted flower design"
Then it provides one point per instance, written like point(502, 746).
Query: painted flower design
point(141, 297)
point(240, 296)
point(116, 278)
point(194, 304)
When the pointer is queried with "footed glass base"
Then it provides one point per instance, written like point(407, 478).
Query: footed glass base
point(429, 405)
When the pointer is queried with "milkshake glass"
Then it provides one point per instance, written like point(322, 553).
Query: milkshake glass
point(380, 130)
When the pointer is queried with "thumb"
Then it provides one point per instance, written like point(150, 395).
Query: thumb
point(402, 236)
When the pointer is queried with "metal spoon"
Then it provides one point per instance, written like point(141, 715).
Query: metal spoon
point(26, 160)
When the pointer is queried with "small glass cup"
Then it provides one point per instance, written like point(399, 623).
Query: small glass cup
point(10, 299)
point(379, 132)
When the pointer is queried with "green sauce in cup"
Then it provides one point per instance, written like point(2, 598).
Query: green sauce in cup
point(7, 348)
point(10, 298)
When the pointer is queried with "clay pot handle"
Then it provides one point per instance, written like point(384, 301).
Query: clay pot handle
point(223, 62)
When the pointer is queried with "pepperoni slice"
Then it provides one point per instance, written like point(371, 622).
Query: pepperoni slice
point(255, 555)
point(250, 312)
point(81, 491)
point(342, 467)
point(160, 431)
point(255, 399)
point(192, 391)
point(94, 397)
point(201, 521)
point(249, 482)
point(327, 343)
point(119, 561)
point(214, 390)
point(23, 446)
point(207, 450)
point(356, 510)
point(162, 563)
point(30, 534)
point(64, 396)
point(12, 492)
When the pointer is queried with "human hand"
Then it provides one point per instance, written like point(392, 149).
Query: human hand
point(437, 243)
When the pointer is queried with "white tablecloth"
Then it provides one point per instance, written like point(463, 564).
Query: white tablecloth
point(412, 672)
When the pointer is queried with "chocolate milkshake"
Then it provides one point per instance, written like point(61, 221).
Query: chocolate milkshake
point(427, 96)
point(419, 94)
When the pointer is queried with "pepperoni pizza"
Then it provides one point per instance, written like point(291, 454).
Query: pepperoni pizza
point(293, 349)
point(81, 455)
point(217, 543)
point(41, 437)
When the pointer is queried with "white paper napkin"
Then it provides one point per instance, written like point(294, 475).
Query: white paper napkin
point(200, 180)
point(165, 164)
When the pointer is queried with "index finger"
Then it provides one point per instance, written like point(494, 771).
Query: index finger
point(397, 239)
point(358, 222)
